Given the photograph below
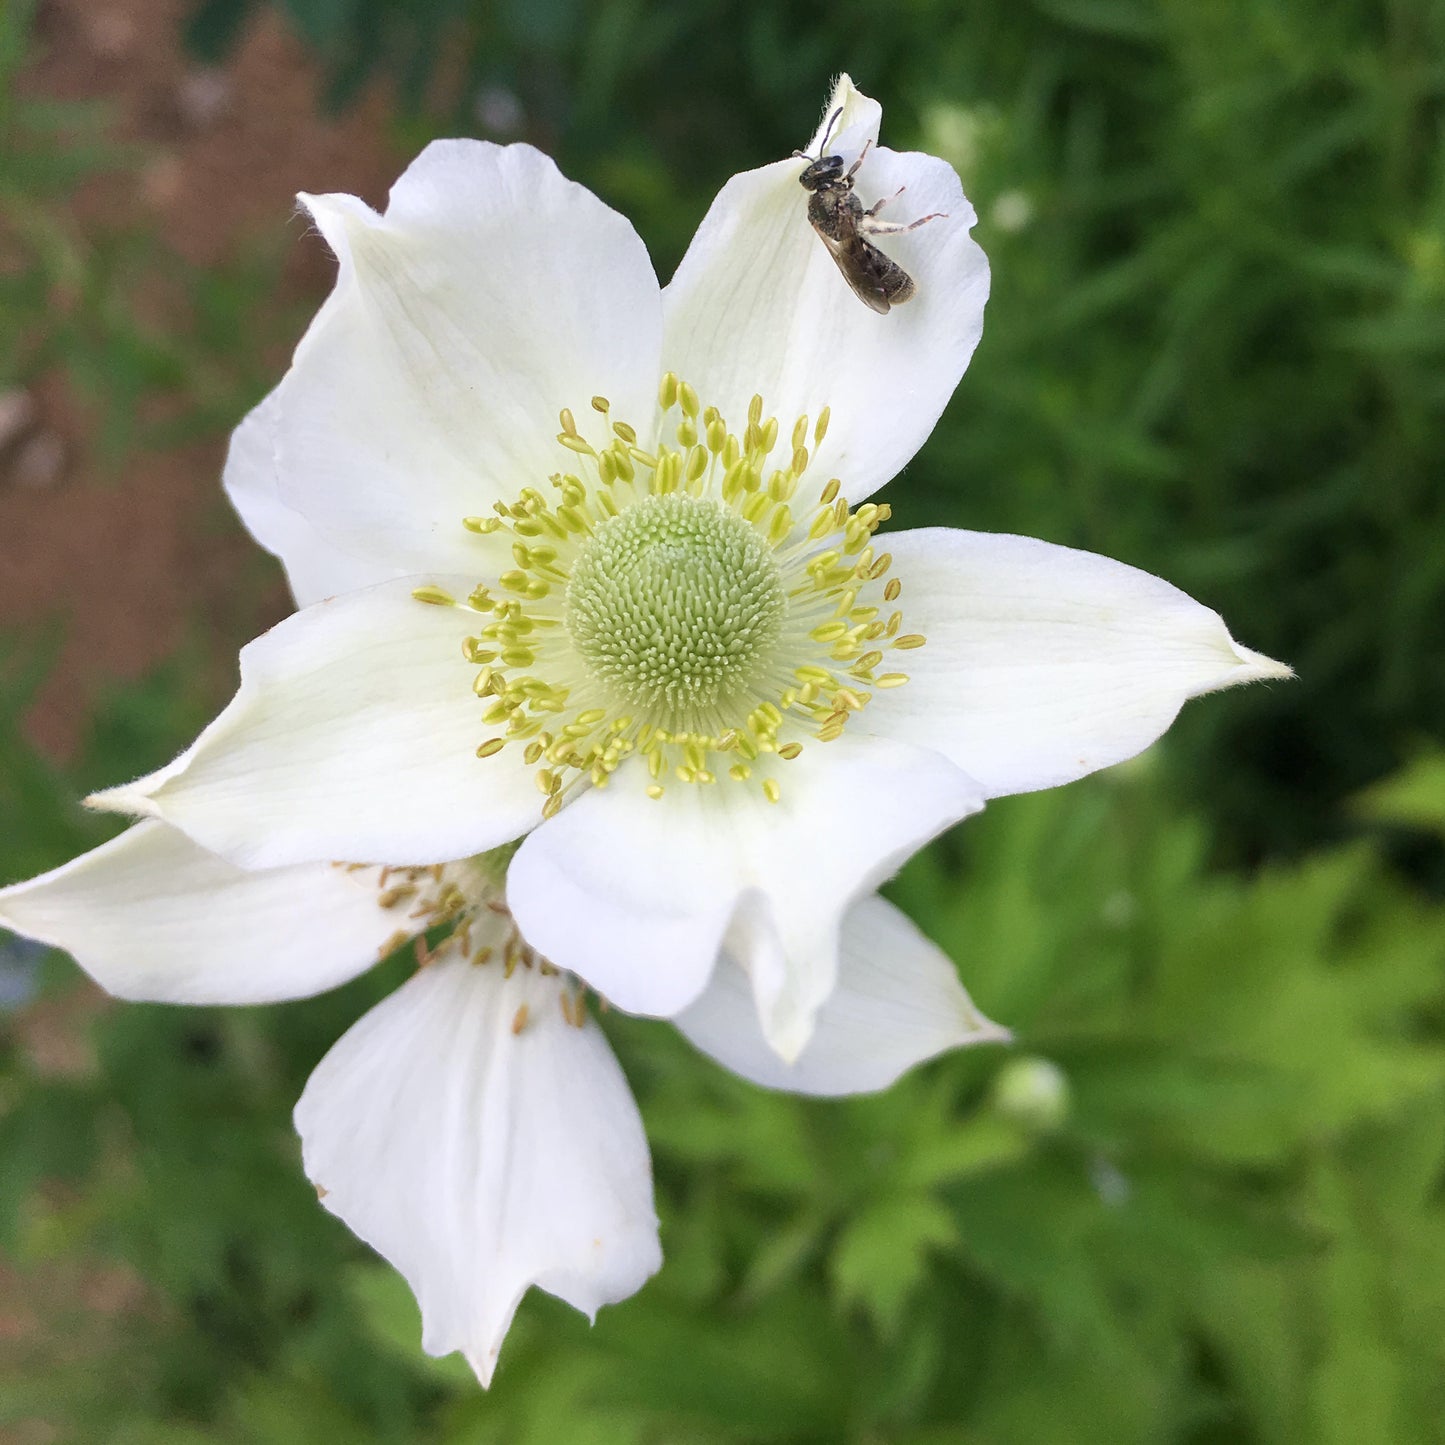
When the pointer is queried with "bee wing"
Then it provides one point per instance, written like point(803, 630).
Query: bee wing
point(858, 261)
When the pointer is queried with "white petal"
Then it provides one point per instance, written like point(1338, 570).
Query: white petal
point(758, 306)
point(492, 293)
point(898, 1002)
point(315, 567)
point(636, 895)
point(353, 735)
point(848, 119)
point(1044, 663)
point(479, 1160)
point(150, 915)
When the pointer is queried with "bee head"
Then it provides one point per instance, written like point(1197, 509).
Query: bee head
point(823, 172)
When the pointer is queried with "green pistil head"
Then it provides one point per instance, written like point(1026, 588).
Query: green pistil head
point(676, 606)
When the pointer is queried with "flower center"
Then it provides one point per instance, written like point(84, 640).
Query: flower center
point(671, 606)
point(676, 606)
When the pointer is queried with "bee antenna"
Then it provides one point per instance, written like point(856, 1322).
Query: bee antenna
point(828, 131)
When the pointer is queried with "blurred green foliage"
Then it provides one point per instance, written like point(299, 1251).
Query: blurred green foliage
point(1216, 348)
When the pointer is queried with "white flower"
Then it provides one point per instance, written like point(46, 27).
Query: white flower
point(573, 551)
point(474, 1128)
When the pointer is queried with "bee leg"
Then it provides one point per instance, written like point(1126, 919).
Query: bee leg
point(853, 170)
point(878, 205)
point(870, 226)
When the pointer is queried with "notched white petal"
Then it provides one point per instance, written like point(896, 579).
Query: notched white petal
point(353, 735)
point(481, 1142)
point(635, 895)
point(151, 916)
point(1044, 663)
point(492, 293)
point(898, 1002)
point(759, 306)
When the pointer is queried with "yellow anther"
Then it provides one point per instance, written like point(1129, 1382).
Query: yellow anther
point(436, 596)
point(909, 641)
point(821, 525)
point(771, 791)
point(491, 747)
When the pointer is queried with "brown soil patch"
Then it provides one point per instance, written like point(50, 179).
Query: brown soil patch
point(131, 564)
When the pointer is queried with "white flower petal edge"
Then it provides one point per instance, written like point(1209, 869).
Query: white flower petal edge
point(151, 916)
point(758, 305)
point(898, 1002)
point(315, 567)
point(481, 1158)
point(635, 895)
point(492, 293)
point(353, 735)
point(1044, 663)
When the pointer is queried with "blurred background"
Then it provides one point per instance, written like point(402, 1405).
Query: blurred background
point(1200, 1199)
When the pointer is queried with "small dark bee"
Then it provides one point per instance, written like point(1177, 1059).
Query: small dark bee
point(837, 215)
